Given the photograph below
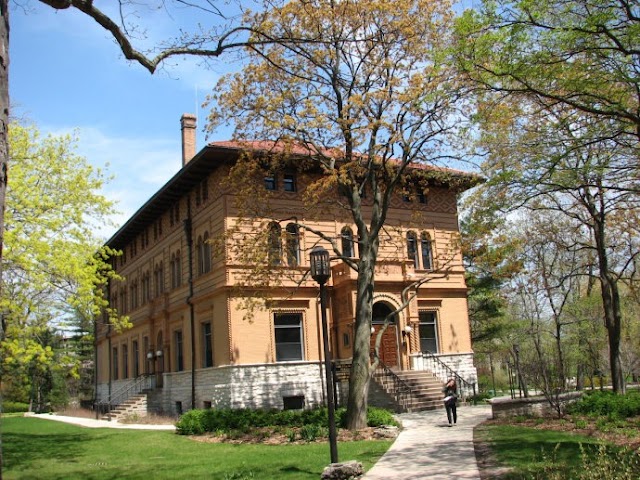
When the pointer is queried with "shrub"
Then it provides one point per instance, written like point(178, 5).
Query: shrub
point(609, 404)
point(192, 423)
point(14, 407)
point(379, 416)
point(196, 422)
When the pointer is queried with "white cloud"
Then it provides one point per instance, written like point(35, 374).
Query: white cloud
point(140, 166)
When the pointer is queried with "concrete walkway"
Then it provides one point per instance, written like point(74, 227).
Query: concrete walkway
point(92, 423)
point(427, 448)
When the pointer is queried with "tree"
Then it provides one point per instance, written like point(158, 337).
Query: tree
point(371, 100)
point(574, 66)
point(582, 55)
point(559, 160)
point(52, 271)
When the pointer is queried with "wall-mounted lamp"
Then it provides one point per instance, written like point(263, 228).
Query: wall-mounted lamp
point(159, 353)
point(149, 355)
point(407, 329)
point(373, 330)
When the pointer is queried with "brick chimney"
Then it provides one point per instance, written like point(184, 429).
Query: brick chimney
point(188, 128)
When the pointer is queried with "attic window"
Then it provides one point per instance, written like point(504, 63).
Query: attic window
point(289, 182)
point(270, 182)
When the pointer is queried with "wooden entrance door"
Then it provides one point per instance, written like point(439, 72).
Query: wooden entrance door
point(389, 344)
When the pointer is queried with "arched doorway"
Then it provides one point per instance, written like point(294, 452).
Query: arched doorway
point(389, 344)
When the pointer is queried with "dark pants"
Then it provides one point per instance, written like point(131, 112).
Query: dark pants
point(451, 412)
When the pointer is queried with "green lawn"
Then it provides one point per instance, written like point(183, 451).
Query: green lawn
point(532, 453)
point(43, 449)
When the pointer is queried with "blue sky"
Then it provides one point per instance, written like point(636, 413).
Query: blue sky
point(67, 73)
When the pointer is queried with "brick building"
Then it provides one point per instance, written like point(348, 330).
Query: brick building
point(192, 342)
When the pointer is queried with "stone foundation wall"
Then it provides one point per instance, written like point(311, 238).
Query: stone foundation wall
point(245, 386)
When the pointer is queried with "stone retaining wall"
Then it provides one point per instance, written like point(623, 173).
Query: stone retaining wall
point(530, 407)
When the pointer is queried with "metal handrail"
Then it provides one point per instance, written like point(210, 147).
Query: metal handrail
point(452, 373)
point(401, 389)
point(141, 383)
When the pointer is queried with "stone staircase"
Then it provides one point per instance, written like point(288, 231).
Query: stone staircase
point(412, 390)
point(134, 405)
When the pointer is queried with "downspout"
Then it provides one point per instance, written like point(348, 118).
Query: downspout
point(188, 231)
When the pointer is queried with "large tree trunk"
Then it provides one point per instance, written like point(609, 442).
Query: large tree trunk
point(360, 371)
point(611, 305)
point(613, 322)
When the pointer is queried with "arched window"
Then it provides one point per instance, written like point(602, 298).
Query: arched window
point(412, 249)
point(203, 250)
point(176, 269)
point(275, 244)
point(347, 242)
point(293, 245)
point(425, 247)
point(158, 279)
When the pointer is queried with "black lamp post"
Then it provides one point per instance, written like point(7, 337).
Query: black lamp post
point(321, 272)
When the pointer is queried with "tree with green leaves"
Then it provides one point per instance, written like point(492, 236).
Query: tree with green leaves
point(374, 97)
point(558, 101)
point(55, 268)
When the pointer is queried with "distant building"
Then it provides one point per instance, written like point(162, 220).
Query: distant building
point(174, 281)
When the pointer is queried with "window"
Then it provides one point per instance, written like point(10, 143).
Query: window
point(293, 245)
point(125, 361)
point(114, 359)
point(134, 295)
point(347, 242)
point(158, 279)
point(205, 190)
point(203, 250)
point(295, 402)
point(202, 192)
point(146, 287)
point(174, 213)
point(412, 249)
point(135, 350)
point(422, 197)
point(425, 246)
point(428, 332)
point(179, 351)
point(207, 350)
point(123, 300)
point(289, 182)
point(270, 182)
point(176, 269)
point(275, 245)
point(288, 335)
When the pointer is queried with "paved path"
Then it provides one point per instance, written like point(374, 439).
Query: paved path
point(92, 423)
point(427, 448)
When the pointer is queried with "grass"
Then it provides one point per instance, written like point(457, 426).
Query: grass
point(535, 453)
point(43, 449)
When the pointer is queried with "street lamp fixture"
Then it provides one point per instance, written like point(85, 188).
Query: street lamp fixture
point(321, 273)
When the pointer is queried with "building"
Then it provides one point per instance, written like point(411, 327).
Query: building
point(194, 343)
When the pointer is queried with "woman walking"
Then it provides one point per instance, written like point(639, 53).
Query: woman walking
point(450, 400)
